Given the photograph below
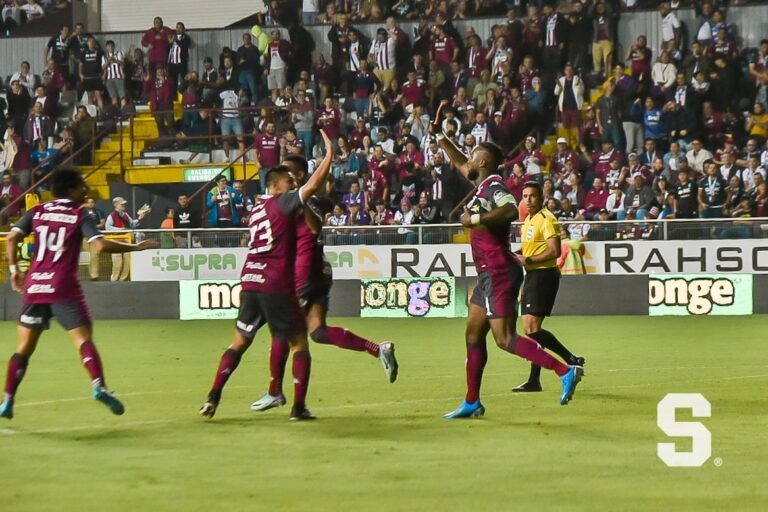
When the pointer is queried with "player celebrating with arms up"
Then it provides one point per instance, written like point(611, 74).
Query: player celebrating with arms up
point(493, 306)
point(268, 293)
point(540, 251)
point(51, 287)
point(314, 279)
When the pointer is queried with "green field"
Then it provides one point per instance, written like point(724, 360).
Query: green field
point(380, 446)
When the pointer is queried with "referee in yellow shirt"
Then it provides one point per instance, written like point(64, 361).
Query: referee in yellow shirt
point(540, 251)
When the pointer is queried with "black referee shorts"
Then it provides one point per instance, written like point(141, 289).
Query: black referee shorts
point(540, 291)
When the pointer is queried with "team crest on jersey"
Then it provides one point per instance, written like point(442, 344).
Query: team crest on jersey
point(479, 205)
point(529, 233)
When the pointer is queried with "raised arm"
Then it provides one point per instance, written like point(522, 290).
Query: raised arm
point(455, 156)
point(318, 178)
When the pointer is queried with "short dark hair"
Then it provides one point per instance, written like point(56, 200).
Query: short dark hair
point(65, 181)
point(169, 210)
point(276, 173)
point(536, 185)
point(299, 161)
point(494, 152)
point(221, 177)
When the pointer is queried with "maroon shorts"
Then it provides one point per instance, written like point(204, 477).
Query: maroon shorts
point(497, 293)
point(281, 313)
point(315, 287)
point(69, 314)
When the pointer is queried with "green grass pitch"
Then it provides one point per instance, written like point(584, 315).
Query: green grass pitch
point(386, 447)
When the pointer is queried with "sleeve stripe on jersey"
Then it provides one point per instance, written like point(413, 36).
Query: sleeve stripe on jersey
point(506, 199)
point(19, 230)
point(95, 237)
point(301, 197)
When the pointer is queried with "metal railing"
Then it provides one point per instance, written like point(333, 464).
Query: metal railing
point(416, 234)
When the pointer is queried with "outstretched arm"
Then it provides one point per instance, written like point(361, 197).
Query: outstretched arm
point(455, 156)
point(116, 247)
point(318, 178)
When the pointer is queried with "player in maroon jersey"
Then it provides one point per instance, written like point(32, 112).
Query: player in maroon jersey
point(313, 286)
point(51, 287)
point(268, 293)
point(493, 306)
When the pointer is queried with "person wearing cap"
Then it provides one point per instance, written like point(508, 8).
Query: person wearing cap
point(119, 220)
point(569, 90)
point(602, 159)
point(638, 200)
point(561, 155)
point(382, 56)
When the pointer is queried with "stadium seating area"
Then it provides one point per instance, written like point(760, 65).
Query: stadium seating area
point(607, 134)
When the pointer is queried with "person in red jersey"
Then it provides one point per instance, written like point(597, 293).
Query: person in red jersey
point(313, 285)
point(51, 287)
point(268, 293)
point(493, 306)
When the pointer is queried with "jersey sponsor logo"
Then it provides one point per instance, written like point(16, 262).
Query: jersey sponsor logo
point(252, 265)
point(244, 326)
point(41, 288)
point(253, 278)
point(56, 217)
point(42, 276)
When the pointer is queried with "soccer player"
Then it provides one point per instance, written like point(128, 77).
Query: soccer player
point(268, 293)
point(313, 285)
point(493, 306)
point(51, 287)
point(540, 251)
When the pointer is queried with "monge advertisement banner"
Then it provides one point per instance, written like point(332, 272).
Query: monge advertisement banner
point(697, 295)
point(208, 300)
point(425, 297)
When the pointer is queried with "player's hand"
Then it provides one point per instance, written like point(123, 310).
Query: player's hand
point(466, 218)
point(147, 244)
point(435, 126)
point(17, 281)
point(327, 142)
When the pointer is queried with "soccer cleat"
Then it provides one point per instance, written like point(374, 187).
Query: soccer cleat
point(209, 408)
point(6, 409)
point(579, 361)
point(528, 387)
point(388, 360)
point(570, 380)
point(467, 410)
point(301, 413)
point(267, 402)
point(109, 399)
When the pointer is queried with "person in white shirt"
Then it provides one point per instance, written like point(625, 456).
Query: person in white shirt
point(25, 78)
point(33, 10)
point(615, 202)
point(382, 57)
point(697, 156)
point(670, 28)
point(419, 121)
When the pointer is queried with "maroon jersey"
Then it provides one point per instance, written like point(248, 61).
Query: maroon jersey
point(59, 228)
point(269, 150)
point(310, 258)
point(490, 245)
point(269, 266)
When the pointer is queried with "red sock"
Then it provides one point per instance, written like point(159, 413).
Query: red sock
point(477, 356)
point(278, 357)
point(92, 363)
point(229, 361)
point(302, 363)
point(17, 367)
point(343, 338)
point(532, 351)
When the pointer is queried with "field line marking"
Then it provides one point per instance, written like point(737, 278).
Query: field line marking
point(8, 431)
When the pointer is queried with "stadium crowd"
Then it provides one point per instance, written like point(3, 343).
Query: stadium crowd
point(677, 128)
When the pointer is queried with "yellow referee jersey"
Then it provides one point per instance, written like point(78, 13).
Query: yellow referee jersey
point(536, 231)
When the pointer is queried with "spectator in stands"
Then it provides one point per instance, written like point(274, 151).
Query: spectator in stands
point(383, 57)
point(697, 156)
point(570, 101)
point(608, 116)
point(639, 56)
point(663, 75)
point(604, 35)
point(136, 74)
point(276, 63)
point(9, 192)
point(99, 219)
point(10, 16)
point(209, 80)
point(25, 78)
point(758, 69)
point(38, 126)
point(638, 201)
point(119, 220)
point(596, 199)
point(19, 102)
point(670, 30)
point(615, 203)
point(161, 96)
point(114, 77)
point(712, 192)
point(44, 158)
point(756, 122)
point(221, 202)
point(267, 152)
point(91, 72)
point(178, 55)
point(248, 62)
point(157, 40)
point(58, 50)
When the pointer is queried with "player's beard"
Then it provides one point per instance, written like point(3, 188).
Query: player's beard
point(472, 175)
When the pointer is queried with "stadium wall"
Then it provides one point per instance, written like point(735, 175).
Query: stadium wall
point(750, 21)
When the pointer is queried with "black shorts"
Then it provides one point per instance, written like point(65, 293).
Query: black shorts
point(69, 314)
point(498, 292)
point(93, 84)
point(317, 289)
point(280, 312)
point(540, 291)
